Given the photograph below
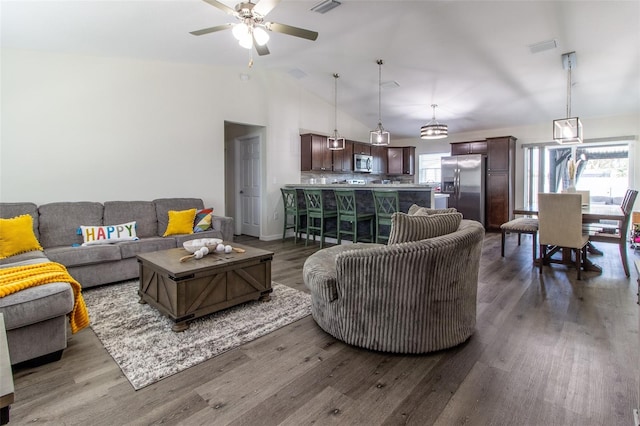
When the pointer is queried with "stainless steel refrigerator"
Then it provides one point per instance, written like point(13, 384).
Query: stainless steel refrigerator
point(463, 178)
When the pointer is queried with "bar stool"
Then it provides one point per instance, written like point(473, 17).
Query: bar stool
point(348, 212)
point(292, 208)
point(386, 202)
point(316, 211)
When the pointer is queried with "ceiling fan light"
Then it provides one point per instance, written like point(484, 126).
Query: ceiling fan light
point(246, 42)
point(240, 31)
point(261, 36)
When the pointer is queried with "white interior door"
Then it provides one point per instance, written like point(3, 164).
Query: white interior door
point(249, 185)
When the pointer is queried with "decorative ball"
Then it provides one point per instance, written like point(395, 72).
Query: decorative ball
point(220, 248)
point(228, 249)
point(204, 250)
point(198, 254)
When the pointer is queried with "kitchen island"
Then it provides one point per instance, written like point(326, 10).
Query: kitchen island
point(408, 194)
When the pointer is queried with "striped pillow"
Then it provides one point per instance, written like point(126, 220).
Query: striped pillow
point(416, 210)
point(405, 228)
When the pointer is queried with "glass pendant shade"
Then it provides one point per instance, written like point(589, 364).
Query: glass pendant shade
point(433, 129)
point(568, 130)
point(379, 136)
point(260, 35)
point(242, 33)
point(335, 143)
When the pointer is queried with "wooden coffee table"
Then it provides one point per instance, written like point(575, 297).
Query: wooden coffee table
point(189, 290)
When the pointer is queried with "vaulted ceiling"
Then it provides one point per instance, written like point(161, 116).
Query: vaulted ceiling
point(472, 58)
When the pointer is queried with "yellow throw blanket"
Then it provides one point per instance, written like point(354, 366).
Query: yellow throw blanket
point(18, 278)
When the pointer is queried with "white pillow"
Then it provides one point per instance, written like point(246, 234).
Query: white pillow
point(109, 233)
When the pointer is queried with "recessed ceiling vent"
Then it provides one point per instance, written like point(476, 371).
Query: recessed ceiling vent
point(543, 45)
point(391, 84)
point(325, 6)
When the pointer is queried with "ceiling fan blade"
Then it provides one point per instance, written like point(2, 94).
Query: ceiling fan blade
point(262, 50)
point(265, 6)
point(211, 30)
point(221, 6)
point(294, 31)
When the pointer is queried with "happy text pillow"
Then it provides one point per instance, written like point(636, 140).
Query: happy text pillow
point(108, 234)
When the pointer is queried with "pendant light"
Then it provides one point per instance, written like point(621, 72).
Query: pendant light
point(568, 130)
point(335, 143)
point(379, 136)
point(433, 129)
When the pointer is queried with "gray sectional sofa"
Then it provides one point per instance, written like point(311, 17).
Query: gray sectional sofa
point(35, 318)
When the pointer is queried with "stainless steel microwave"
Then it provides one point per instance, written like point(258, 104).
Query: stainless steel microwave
point(362, 163)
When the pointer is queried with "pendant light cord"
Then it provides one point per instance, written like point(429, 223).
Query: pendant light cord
point(380, 62)
point(335, 104)
point(569, 89)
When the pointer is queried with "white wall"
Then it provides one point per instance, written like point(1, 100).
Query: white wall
point(97, 129)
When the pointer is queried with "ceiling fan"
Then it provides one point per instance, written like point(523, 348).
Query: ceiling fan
point(252, 29)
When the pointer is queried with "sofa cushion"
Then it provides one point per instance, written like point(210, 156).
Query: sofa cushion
point(17, 236)
point(28, 256)
point(405, 228)
point(145, 245)
point(163, 205)
point(142, 212)
point(9, 210)
point(180, 222)
point(35, 304)
point(87, 255)
point(60, 221)
point(424, 211)
point(108, 234)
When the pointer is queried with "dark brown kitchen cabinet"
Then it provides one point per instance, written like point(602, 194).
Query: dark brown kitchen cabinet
point(379, 154)
point(400, 160)
point(361, 148)
point(473, 147)
point(500, 181)
point(314, 153)
point(343, 158)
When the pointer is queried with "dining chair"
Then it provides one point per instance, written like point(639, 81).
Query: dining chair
point(317, 215)
point(619, 234)
point(292, 209)
point(560, 227)
point(521, 225)
point(348, 212)
point(386, 202)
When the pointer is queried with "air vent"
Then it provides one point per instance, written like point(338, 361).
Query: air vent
point(543, 45)
point(325, 6)
point(391, 84)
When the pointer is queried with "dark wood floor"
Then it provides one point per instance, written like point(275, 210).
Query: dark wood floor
point(548, 350)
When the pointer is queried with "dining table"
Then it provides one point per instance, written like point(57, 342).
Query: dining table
point(592, 214)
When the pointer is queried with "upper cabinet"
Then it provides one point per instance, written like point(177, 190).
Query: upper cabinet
point(379, 154)
point(401, 160)
point(473, 147)
point(343, 158)
point(361, 148)
point(314, 153)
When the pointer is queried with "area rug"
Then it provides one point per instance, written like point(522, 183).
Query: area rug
point(140, 340)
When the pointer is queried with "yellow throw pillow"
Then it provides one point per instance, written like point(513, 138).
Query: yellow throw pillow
point(180, 222)
point(16, 236)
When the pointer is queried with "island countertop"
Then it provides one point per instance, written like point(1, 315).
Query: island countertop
point(366, 186)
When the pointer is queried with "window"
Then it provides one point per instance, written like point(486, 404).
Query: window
point(429, 168)
point(601, 168)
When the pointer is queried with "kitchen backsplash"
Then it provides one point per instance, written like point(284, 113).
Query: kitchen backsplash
point(306, 177)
